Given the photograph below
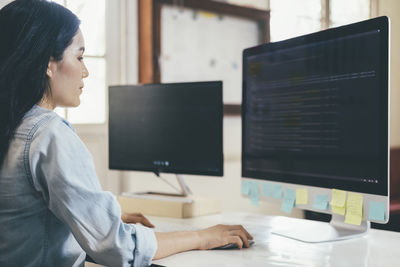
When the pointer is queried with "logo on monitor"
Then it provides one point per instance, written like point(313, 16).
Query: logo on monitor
point(161, 163)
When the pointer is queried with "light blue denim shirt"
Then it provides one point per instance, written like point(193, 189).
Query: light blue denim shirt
point(52, 208)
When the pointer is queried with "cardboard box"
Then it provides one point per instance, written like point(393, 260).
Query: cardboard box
point(168, 206)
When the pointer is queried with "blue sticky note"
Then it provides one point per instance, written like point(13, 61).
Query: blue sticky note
point(287, 205)
point(254, 194)
point(376, 211)
point(321, 202)
point(288, 200)
point(272, 190)
point(290, 193)
point(246, 187)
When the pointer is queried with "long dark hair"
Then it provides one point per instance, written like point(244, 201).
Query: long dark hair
point(31, 31)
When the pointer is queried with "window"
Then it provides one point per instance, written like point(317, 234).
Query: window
point(93, 99)
point(291, 18)
point(345, 12)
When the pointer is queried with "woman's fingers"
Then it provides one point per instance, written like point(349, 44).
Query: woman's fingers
point(242, 236)
point(241, 228)
point(221, 235)
point(136, 218)
point(146, 222)
point(235, 240)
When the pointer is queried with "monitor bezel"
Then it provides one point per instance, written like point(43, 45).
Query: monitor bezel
point(380, 23)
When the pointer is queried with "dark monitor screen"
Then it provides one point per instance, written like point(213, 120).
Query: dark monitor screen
point(172, 128)
point(315, 109)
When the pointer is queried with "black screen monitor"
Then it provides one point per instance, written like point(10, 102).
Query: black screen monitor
point(171, 128)
point(315, 113)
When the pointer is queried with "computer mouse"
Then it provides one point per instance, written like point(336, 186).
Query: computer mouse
point(233, 245)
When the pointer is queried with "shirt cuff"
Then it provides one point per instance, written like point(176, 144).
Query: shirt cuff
point(146, 246)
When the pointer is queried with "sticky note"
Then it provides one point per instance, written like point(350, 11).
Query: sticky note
point(290, 193)
point(338, 201)
point(321, 202)
point(301, 196)
point(246, 187)
point(254, 194)
point(338, 210)
point(338, 198)
point(351, 219)
point(272, 190)
point(288, 200)
point(354, 209)
point(376, 211)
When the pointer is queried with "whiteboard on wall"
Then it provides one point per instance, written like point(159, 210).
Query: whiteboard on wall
point(203, 46)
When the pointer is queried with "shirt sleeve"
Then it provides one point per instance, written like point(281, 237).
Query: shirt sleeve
point(63, 172)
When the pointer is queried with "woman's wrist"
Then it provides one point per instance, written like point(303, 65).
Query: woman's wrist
point(200, 240)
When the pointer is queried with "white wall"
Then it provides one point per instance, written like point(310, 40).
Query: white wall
point(4, 2)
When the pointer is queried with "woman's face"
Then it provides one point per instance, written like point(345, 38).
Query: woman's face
point(66, 76)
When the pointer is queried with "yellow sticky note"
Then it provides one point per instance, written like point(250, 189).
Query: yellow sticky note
point(207, 14)
point(301, 196)
point(354, 207)
point(353, 219)
point(338, 198)
point(339, 210)
point(355, 204)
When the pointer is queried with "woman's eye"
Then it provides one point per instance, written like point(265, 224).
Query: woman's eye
point(80, 58)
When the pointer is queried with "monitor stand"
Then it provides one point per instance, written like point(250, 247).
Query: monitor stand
point(317, 232)
point(183, 192)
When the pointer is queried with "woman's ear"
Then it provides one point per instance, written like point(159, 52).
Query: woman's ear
point(50, 67)
point(49, 72)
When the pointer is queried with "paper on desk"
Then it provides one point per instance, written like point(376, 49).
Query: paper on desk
point(321, 202)
point(288, 200)
point(246, 187)
point(338, 201)
point(301, 196)
point(254, 194)
point(272, 190)
point(376, 211)
point(354, 213)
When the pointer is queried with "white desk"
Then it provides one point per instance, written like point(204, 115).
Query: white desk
point(377, 248)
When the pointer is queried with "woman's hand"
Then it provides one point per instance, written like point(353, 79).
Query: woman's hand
point(221, 235)
point(173, 242)
point(136, 218)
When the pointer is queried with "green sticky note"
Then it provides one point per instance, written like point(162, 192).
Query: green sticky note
point(321, 202)
point(272, 190)
point(246, 187)
point(376, 211)
point(254, 194)
point(301, 196)
point(288, 200)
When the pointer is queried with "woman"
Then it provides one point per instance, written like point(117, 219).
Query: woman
point(52, 209)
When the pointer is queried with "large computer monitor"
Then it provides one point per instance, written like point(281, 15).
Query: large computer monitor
point(167, 128)
point(315, 125)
